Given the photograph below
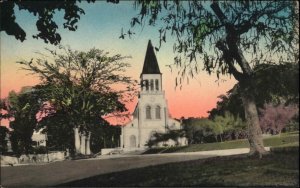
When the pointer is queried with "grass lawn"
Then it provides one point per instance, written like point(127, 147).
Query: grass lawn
point(284, 138)
point(275, 169)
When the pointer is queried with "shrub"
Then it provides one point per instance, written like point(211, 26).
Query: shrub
point(40, 150)
point(275, 118)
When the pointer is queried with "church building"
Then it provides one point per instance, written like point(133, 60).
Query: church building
point(151, 112)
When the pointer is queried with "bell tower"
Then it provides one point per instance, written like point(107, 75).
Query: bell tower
point(151, 112)
point(151, 77)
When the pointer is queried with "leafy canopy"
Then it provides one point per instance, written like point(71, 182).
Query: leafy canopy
point(82, 85)
point(22, 112)
point(45, 12)
point(229, 37)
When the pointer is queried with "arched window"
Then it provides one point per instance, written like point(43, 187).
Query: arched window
point(148, 112)
point(157, 112)
point(156, 85)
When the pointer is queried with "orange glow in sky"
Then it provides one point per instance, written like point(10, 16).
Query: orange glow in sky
point(100, 28)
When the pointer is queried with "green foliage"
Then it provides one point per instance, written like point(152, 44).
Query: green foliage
point(157, 137)
point(78, 90)
point(199, 130)
point(293, 125)
point(105, 136)
point(275, 84)
point(22, 109)
point(231, 126)
point(59, 130)
point(3, 142)
point(233, 29)
point(205, 130)
point(44, 11)
point(227, 38)
point(40, 150)
point(231, 102)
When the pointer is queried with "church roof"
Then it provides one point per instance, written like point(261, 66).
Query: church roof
point(150, 63)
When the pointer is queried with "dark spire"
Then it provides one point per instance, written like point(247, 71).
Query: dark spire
point(150, 63)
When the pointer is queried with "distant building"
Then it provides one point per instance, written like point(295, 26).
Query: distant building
point(39, 138)
point(151, 112)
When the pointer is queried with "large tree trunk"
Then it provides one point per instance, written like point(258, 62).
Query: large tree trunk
point(82, 144)
point(254, 130)
point(88, 150)
point(77, 140)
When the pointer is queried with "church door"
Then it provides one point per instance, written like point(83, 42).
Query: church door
point(132, 141)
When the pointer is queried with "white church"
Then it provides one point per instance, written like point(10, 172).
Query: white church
point(151, 112)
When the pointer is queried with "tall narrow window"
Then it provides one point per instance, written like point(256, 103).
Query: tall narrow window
point(152, 85)
point(156, 85)
point(147, 85)
point(148, 112)
point(157, 112)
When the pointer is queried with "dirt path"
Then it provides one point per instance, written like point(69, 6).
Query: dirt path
point(65, 171)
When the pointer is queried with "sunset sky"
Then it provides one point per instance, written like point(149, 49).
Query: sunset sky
point(100, 27)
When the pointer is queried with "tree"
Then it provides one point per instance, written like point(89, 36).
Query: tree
point(45, 11)
point(158, 137)
point(229, 38)
point(217, 130)
point(22, 109)
point(198, 130)
point(81, 86)
point(59, 131)
point(3, 142)
point(231, 102)
point(232, 127)
point(104, 136)
point(274, 118)
point(275, 84)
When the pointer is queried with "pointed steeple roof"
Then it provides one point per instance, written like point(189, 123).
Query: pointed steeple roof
point(150, 62)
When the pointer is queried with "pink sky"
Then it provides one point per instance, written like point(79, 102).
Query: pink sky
point(100, 28)
point(193, 100)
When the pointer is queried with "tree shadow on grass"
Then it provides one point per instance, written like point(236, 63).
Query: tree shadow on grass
point(239, 170)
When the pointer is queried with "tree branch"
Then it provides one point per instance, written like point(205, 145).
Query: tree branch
point(231, 40)
point(247, 25)
point(229, 60)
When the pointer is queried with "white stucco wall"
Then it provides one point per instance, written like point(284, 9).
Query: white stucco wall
point(142, 127)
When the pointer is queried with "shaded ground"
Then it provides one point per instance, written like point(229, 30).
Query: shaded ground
point(280, 169)
point(66, 171)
